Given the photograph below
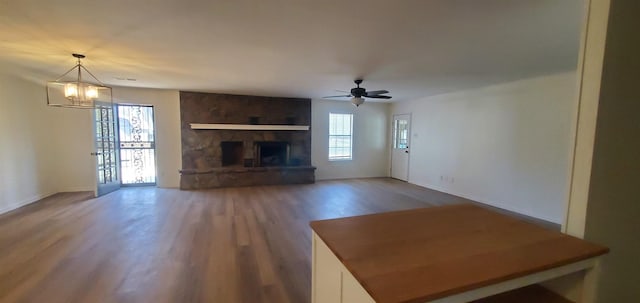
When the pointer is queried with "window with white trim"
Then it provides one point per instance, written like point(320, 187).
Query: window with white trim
point(340, 136)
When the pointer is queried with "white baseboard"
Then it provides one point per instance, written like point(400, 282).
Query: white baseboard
point(24, 202)
point(504, 206)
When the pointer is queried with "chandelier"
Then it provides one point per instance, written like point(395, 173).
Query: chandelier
point(74, 89)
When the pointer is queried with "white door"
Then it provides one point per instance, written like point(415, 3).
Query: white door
point(400, 148)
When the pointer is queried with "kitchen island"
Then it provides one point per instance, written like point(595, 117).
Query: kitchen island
point(456, 253)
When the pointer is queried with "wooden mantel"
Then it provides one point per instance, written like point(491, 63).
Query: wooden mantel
point(247, 126)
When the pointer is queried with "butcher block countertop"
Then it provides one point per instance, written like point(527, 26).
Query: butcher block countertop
point(430, 253)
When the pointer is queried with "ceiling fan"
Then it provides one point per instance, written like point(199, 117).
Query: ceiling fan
point(358, 94)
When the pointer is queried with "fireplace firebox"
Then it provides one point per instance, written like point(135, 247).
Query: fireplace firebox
point(232, 153)
point(271, 153)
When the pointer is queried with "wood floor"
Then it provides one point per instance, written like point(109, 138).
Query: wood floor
point(147, 244)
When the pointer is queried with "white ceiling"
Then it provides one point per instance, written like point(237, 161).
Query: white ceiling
point(298, 48)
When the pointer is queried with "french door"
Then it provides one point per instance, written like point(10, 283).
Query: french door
point(106, 152)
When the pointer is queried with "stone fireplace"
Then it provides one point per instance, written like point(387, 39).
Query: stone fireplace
point(246, 155)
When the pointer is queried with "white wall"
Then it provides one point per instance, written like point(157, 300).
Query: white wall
point(166, 106)
point(43, 150)
point(506, 145)
point(25, 158)
point(370, 135)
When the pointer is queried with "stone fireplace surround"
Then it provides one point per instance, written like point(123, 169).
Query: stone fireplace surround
point(223, 158)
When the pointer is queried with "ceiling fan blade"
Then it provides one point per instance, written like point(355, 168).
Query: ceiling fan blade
point(379, 97)
point(339, 96)
point(377, 92)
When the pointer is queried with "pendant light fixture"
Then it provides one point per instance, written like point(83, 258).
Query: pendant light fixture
point(77, 90)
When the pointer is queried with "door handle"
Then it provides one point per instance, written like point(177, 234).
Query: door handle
point(406, 151)
point(96, 154)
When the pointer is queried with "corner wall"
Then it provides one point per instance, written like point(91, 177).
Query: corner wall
point(45, 150)
point(370, 140)
point(505, 145)
point(25, 163)
point(41, 148)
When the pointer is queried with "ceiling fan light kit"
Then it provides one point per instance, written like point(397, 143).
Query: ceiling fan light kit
point(75, 91)
point(357, 94)
point(356, 101)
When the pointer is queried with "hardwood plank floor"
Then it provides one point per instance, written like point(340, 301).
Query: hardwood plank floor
point(147, 244)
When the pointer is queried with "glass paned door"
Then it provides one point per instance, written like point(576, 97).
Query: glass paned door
point(106, 138)
point(137, 144)
point(400, 148)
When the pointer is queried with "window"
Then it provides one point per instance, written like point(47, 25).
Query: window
point(400, 133)
point(340, 136)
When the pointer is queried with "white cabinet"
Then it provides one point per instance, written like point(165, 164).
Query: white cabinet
point(331, 281)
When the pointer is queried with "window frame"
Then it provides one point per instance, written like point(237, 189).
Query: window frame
point(350, 136)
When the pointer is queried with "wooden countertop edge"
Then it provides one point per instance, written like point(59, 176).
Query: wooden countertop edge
point(485, 283)
point(602, 251)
